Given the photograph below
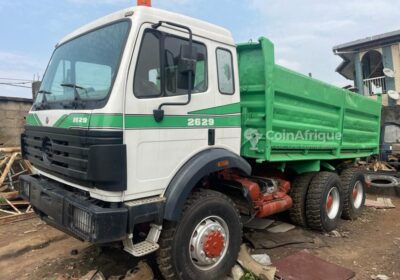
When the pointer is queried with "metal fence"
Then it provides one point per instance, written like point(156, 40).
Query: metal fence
point(375, 85)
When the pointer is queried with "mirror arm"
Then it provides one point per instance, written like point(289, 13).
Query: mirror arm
point(159, 113)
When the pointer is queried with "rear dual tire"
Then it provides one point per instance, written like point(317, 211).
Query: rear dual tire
point(298, 193)
point(324, 202)
point(353, 185)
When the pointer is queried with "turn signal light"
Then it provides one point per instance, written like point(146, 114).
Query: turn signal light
point(144, 3)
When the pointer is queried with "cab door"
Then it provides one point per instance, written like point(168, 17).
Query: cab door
point(156, 150)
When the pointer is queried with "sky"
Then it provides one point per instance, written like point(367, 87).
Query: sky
point(303, 31)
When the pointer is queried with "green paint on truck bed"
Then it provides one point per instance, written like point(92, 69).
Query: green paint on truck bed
point(287, 116)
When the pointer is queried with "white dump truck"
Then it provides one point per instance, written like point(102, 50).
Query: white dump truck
point(156, 131)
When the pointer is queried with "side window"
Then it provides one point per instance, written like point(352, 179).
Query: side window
point(147, 75)
point(173, 83)
point(157, 76)
point(225, 71)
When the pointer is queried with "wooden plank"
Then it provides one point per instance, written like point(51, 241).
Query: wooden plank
point(3, 161)
point(8, 167)
point(16, 218)
point(29, 166)
point(13, 207)
point(10, 150)
point(10, 195)
point(15, 202)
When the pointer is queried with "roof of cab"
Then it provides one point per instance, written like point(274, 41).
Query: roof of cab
point(199, 27)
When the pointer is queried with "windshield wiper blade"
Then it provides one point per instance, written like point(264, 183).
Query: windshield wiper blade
point(44, 91)
point(77, 97)
point(72, 86)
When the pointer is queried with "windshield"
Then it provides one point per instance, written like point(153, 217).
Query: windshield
point(83, 69)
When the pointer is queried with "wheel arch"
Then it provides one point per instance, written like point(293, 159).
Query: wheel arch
point(197, 167)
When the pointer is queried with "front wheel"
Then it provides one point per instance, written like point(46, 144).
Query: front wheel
point(205, 243)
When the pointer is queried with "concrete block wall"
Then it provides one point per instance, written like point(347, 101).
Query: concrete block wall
point(13, 111)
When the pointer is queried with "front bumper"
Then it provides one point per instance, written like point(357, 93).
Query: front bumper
point(72, 213)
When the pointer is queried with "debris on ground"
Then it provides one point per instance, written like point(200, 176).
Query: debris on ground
point(281, 227)
point(380, 166)
point(263, 259)
point(259, 223)
point(337, 234)
point(12, 165)
point(269, 240)
point(249, 264)
point(301, 266)
point(237, 272)
point(141, 271)
point(380, 203)
point(380, 277)
point(93, 275)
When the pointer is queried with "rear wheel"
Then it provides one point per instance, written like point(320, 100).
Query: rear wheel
point(205, 243)
point(324, 202)
point(298, 193)
point(353, 185)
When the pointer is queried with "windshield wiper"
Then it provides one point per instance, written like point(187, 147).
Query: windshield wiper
point(44, 91)
point(77, 97)
point(44, 103)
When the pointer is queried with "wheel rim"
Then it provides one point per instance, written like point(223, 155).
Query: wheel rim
point(208, 242)
point(332, 203)
point(357, 194)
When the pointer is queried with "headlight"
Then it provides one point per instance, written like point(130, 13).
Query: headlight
point(82, 221)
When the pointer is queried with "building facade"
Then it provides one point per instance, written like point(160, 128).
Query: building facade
point(373, 64)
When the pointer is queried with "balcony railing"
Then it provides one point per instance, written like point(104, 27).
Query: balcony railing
point(375, 85)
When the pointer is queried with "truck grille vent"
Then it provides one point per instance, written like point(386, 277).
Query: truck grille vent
point(64, 151)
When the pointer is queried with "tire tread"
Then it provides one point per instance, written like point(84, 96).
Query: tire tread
point(314, 197)
point(346, 178)
point(298, 193)
point(163, 256)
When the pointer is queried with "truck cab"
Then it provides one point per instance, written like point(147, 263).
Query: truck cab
point(107, 78)
point(115, 128)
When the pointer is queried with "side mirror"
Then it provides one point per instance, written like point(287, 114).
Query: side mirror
point(186, 66)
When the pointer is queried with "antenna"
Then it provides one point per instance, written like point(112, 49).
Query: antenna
point(393, 94)
point(388, 72)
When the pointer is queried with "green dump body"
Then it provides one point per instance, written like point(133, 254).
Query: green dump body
point(287, 116)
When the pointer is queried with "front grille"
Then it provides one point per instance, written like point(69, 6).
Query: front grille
point(64, 151)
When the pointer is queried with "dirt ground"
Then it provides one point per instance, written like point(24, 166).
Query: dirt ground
point(32, 250)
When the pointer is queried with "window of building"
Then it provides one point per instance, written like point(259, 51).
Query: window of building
point(392, 134)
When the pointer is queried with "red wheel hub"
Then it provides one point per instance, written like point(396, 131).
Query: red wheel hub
point(214, 244)
point(329, 202)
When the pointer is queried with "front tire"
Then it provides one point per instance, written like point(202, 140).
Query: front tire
point(205, 243)
point(324, 202)
point(353, 185)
